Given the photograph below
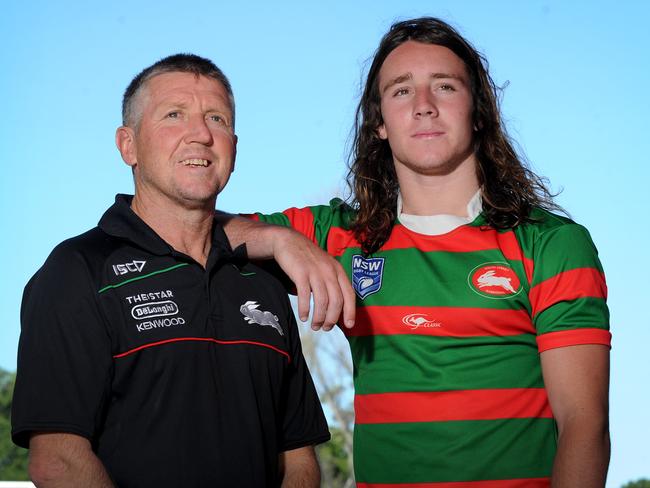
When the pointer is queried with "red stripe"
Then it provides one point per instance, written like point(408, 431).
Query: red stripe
point(442, 321)
point(465, 239)
point(442, 406)
point(200, 339)
point(518, 483)
point(302, 220)
point(566, 286)
point(339, 240)
point(573, 337)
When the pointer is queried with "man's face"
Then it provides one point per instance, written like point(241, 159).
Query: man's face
point(184, 146)
point(426, 106)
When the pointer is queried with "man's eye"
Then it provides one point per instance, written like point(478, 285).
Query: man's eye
point(173, 115)
point(217, 118)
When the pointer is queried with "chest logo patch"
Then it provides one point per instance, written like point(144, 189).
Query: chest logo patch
point(367, 274)
point(417, 320)
point(254, 316)
point(132, 267)
point(494, 280)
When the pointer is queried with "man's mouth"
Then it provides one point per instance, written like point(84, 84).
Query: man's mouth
point(195, 162)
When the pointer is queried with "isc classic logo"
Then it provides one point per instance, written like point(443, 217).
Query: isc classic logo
point(494, 280)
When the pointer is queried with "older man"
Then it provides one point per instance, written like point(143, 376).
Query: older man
point(151, 353)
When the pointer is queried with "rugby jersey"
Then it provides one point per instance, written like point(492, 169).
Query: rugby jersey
point(448, 381)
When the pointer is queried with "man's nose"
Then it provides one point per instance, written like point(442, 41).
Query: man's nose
point(198, 131)
point(424, 104)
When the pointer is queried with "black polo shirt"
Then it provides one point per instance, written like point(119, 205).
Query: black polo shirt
point(178, 375)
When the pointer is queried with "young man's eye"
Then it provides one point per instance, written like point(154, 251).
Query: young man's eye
point(447, 87)
point(400, 92)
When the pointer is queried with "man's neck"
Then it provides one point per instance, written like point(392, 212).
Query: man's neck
point(446, 194)
point(187, 230)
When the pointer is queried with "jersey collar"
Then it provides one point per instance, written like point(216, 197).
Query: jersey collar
point(434, 225)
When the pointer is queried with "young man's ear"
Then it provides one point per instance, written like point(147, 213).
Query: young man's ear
point(125, 141)
point(381, 132)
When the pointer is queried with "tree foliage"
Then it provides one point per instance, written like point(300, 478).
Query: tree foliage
point(642, 483)
point(328, 358)
point(13, 460)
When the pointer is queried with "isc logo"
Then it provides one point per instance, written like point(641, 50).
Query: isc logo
point(132, 267)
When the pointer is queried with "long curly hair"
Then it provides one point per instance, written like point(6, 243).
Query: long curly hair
point(508, 187)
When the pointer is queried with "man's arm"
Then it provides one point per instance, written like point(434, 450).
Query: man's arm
point(299, 468)
point(310, 268)
point(577, 382)
point(65, 460)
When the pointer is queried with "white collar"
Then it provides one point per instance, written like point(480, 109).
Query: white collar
point(434, 225)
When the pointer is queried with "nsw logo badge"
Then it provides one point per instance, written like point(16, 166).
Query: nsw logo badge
point(367, 275)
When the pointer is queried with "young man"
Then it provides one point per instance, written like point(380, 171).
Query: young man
point(481, 344)
point(151, 353)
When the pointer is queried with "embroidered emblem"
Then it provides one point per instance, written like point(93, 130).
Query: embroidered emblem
point(494, 280)
point(367, 275)
point(132, 267)
point(254, 316)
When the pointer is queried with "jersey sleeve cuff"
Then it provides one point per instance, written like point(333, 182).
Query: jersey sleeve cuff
point(573, 337)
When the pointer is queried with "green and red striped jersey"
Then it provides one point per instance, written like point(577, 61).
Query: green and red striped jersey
point(448, 382)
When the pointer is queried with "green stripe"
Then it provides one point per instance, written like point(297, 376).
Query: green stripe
point(142, 277)
point(454, 451)
point(586, 312)
point(560, 249)
point(438, 279)
point(398, 363)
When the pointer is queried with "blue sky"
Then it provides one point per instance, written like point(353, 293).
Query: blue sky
point(576, 101)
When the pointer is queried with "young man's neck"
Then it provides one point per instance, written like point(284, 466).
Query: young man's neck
point(446, 194)
point(187, 230)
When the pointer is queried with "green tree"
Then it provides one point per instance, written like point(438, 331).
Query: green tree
point(13, 460)
point(642, 483)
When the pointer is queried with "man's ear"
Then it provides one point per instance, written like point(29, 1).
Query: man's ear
point(234, 156)
point(381, 132)
point(125, 141)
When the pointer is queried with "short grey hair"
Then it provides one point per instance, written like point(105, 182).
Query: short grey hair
point(177, 63)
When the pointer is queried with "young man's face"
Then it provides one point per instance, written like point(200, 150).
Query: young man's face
point(426, 106)
point(184, 146)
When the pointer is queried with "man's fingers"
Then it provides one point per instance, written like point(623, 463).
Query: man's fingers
point(303, 292)
point(349, 299)
point(320, 298)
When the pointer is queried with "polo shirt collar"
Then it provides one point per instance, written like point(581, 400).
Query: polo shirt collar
point(122, 222)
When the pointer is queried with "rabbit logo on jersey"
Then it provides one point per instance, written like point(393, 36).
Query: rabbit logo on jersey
point(366, 275)
point(494, 280)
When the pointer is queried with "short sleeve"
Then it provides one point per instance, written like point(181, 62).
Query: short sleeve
point(64, 353)
point(313, 222)
point(303, 422)
point(568, 290)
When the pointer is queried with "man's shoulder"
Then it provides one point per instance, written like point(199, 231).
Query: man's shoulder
point(94, 243)
point(546, 231)
point(544, 222)
point(81, 256)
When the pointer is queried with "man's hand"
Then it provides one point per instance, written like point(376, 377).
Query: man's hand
point(299, 468)
point(65, 460)
point(577, 380)
point(311, 269)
